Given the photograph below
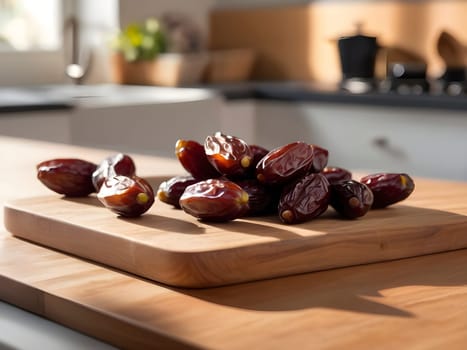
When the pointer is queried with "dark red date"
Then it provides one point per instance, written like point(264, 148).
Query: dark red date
point(117, 164)
point(215, 200)
point(285, 163)
point(171, 190)
point(336, 174)
point(258, 153)
point(304, 200)
point(126, 196)
point(262, 200)
point(230, 155)
point(389, 188)
point(351, 199)
point(68, 176)
point(320, 158)
point(193, 158)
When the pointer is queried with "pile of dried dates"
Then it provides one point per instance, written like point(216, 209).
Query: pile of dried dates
point(229, 179)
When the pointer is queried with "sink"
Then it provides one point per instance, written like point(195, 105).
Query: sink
point(126, 94)
point(68, 96)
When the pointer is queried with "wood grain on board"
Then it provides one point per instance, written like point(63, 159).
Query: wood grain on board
point(169, 246)
point(409, 303)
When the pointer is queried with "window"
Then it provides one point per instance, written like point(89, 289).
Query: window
point(35, 41)
point(30, 25)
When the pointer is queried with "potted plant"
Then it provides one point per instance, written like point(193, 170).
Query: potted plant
point(142, 55)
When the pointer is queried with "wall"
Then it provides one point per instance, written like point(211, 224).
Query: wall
point(299, 41)
point(280, 35)
point(134, 11)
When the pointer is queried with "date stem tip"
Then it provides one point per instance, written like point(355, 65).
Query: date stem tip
point(142, 198)
point(245, 162)
point(244, 198)
point(354, 202)
point(287, 215)
point(403, 181)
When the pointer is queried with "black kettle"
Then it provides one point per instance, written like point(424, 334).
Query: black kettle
point(357, 55)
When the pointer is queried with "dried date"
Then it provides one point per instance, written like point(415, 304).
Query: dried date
point(258, 153)
point(336, 174)
point(389, 188)
point(126, 196)
point(350, 198)
point(215, 200)
point(171, 190)
point(117, 164)
point(285, 163)
point(71, 177)
point(320, 158)
point(192, 157)
point(230, 155)
point(262, 200)
point(305, 199)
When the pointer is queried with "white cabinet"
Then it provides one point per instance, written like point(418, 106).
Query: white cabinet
point(421, 142)
point(53, 125)
point(238, 118)
point(147, 129)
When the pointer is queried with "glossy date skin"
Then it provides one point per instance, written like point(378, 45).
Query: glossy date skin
point(126, 196)
point(192, 157)
point(171, 190)
point(117, 164)
point(262, 200)
point(320, 158)
point(230, 155)
point(351, 199)
point(258, 153)
point(336, 174)
point(215, 200)
point(305, 199)
point(284, 164)
point(388, 188)
point(71, 177)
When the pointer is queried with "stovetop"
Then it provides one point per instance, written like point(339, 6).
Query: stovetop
point(411, 79)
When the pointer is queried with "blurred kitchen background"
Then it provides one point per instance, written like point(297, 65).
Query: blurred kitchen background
point(380, 83)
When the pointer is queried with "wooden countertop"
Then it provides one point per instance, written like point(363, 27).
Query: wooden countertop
point(416, 303)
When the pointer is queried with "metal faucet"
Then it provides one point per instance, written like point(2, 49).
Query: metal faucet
point(76, 70)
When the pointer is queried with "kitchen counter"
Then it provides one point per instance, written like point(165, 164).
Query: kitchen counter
point(408, 303)
point(310, 92)
point(21, 99)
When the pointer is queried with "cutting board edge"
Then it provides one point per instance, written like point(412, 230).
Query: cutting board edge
point(195, 269)
point(244, 263)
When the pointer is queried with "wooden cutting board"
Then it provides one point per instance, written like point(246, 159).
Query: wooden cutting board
point(169, 246)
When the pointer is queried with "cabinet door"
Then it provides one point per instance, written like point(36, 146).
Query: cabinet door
point(426, 143)
point(42, 125)
point(148, 129)
point(238, 119)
